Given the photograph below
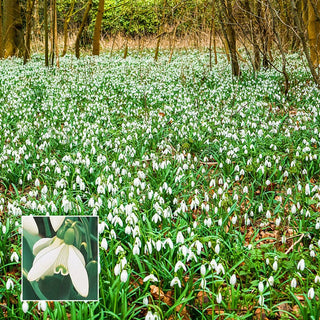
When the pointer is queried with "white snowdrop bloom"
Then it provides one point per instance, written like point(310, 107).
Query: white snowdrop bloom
point(15, 257)
point(175, 281)
point(180, 238)
point(203, 270)
point(301, 265)
point(261, 300)
point(37, 182)
point(311, 293)
point(233, 280)
point(275, 265)
point(220, 222)
point(124, 275)
point(278, 220)
point(268, 214)
point(293, 209)
point(289, 192)
point(149, 315)
point(150, 277)
point(203, 283)
point(145, 301)
point(234, 219)
point(317, 279)
point(117, 269)
point(307, 190)
point(169, 242)
point(9, 284)
point(293, 283)
point(312, 253)
point(220, 268)
point(219, 298)
point(270, 281)
point(158, 245)
point(42, 305)
point(245, 189)
point(25, 306)
point(260, 286)
point(54, 256)
point(217, 248)
point(104, 244)
point(180, 265)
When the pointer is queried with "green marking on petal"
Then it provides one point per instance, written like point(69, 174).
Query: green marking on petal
point(61, 269)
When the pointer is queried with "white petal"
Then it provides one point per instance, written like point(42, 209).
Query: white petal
point(61, 263)
point(44, 264)
point(56, 222)
point(78, 272)
point(41, 244)
point(29, 224)
point(55, 242)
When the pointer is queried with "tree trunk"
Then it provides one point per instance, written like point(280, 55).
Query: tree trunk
point(56, 34)
point(298, 22)
point(30, 4)
point(53, 10)
point(161, 27)
point(314, 31)
point(36, 25)
point(230, 35)
point(12, 28)
point(97, 29)
point(46, 34)
point(83, 22)
point(256, 49)
point(65, 28)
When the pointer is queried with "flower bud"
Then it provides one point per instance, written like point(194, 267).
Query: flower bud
point(69, 236)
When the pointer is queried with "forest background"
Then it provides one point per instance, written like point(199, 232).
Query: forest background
point(258, 27)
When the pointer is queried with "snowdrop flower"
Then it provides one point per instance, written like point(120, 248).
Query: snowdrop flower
point(150, 277)
point(203, 283)
point(311, 293)
point(317, 279)
point(149, 316)
point(178, 266)
point(261, 300)
point(219, 298)
point(301, 265)
point(293, 283)
point(233, 280)
point(180, 238)
point(9, 284)
point(54, 256)
point(104, 244)
point(270, 281)
point(14, 257)
point(42, 305)
point(260, 286)
point(275, 265)
point(25, 306)
point(175, 281)
point(124, 275)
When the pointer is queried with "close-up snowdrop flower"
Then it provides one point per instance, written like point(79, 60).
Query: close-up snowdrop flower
point(54, 256)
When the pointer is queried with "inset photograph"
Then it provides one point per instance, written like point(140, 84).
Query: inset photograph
point(60, 258)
